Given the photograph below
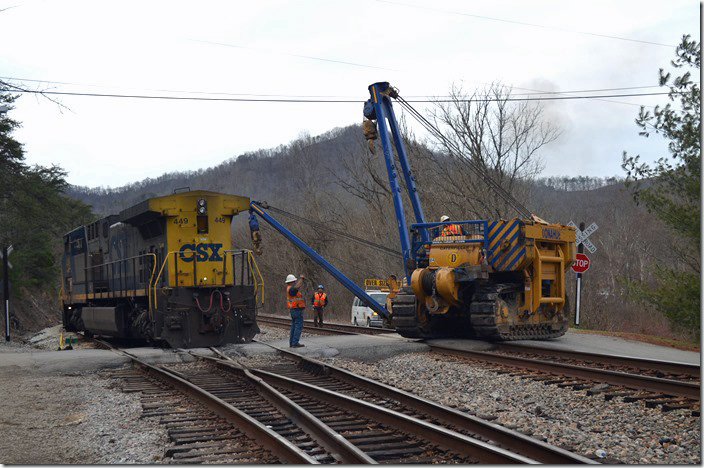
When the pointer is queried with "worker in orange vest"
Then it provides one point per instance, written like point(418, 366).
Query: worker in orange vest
point(450, 229)
point(320, 300)
point(296, 305)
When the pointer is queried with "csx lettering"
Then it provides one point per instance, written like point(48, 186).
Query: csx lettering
point(551, 233)
point(200, 252)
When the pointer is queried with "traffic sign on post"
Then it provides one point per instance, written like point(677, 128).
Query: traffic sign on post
point(581, 264)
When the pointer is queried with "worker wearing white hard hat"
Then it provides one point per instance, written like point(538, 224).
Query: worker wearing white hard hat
point(296, 305)
point(450, 229)
point(320, 300)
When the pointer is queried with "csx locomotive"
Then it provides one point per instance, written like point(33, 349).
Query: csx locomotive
point(162, 271)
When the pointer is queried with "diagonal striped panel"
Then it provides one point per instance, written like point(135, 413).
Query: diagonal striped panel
point(500, 231)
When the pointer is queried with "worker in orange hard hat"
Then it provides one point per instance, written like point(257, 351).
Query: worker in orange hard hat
point(296, 305)
point(320, 300)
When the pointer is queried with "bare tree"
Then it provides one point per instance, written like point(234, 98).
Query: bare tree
point(498, 135)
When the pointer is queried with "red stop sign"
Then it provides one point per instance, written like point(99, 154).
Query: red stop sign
point(581, 264)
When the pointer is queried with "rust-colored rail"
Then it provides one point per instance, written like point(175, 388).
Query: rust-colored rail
point(664, 367)
point(628, 380)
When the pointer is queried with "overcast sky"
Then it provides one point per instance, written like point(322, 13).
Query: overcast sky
point(319, 50)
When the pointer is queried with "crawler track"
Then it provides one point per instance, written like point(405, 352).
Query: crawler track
point(611, 381)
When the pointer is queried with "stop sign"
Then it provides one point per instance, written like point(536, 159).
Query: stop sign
point(581, 264)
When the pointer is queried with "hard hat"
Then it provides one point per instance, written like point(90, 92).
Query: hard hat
point(320, 286)
point(444, 218)
point(290, 279)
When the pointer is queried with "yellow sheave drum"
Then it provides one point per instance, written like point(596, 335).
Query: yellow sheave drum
point(162, 270)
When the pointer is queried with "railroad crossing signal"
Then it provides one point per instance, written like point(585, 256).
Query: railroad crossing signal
point(9, 251)
point(581, 264)
point(582, 236)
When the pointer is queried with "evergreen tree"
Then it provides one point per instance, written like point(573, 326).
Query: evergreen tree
point(671, 190)
point(34, 212)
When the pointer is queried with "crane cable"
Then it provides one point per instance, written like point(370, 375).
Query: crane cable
point(323, 227)
point(454, 148)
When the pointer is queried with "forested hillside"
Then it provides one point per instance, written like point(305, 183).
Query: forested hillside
point(334, 180)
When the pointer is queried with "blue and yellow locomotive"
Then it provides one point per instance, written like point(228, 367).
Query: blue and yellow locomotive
point(163, 271)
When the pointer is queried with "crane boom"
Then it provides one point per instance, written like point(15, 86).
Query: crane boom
point(258, 208)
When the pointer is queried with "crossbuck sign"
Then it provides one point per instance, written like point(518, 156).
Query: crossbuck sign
point(582, 236)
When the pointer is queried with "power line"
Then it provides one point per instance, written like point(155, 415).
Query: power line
point(534, 92)
point(321, 101)
point(522, 23)
point(308, 57)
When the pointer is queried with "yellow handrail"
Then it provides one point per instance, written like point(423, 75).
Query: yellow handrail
point(161, 270)
point(251, 260)
point(149, 297)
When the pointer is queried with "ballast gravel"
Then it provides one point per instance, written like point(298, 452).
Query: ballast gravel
point(613, 430)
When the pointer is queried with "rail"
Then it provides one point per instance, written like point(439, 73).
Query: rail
point(628, 380)
point(269, 439)
point(354, 391)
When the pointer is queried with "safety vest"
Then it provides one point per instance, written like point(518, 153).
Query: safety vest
point(294, 302)
point(319, 300)
point(451, 230)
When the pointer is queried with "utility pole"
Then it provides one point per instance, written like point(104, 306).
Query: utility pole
point(6, 289)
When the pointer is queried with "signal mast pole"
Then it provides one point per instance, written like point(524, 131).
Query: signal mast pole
point(580, 249)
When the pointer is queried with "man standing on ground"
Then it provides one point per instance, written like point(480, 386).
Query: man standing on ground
point(296, 305)
point(320, 300)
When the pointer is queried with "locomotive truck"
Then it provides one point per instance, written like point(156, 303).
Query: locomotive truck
point(162, 271)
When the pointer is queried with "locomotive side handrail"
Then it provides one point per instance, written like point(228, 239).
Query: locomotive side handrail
point(120, 262)
point(252, 261)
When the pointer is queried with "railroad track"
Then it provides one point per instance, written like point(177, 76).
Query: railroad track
point(632, 379)
point(327, 329)
point(220, 411)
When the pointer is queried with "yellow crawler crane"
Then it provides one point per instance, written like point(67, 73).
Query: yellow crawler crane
point(498, 280)
point(501, 280)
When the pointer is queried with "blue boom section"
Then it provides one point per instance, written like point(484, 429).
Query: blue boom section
point(379, 108)
point(255, 207)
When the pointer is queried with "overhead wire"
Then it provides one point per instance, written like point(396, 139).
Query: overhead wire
point(523, 23)
point(532, 92)
point(319, 101)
